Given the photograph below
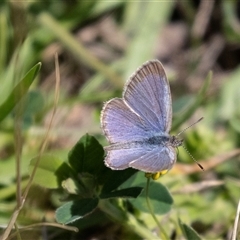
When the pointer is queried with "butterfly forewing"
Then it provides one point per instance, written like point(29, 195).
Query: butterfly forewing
point(147, 92)
point(120, 124)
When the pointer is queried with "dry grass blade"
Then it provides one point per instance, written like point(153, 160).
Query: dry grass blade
point(30, 227)
point(207, 164)
point(235, 227)
point(44, 144)
point(202, 18)
point(197, 187)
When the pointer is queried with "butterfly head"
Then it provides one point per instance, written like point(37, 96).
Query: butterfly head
point(175, 141)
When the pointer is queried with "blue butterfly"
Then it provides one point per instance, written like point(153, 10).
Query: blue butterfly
point(137, 125)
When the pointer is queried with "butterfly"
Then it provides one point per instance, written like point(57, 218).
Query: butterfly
point(137, 125)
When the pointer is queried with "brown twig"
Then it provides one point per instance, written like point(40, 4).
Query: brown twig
point(207, 164)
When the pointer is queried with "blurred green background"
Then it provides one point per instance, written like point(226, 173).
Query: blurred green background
point(100, 44)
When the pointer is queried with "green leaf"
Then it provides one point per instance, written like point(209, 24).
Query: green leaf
point(18, 92)
point(71, 186)
point(188, 232)
point(132, 192)
point(51, 171)
point(116, 178)
point(87, 156)
point(33, 105)
point(75, 210)
point(101, 7)
point(137, 23)
point(160, 199)
point(230, 21)
point(229, 97)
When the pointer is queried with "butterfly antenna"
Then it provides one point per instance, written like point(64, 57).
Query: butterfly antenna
point(193, 157)
point(200, 166)
point(200, 119)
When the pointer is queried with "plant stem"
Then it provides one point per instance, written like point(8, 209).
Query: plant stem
point(162, 231)
point(125, 219)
